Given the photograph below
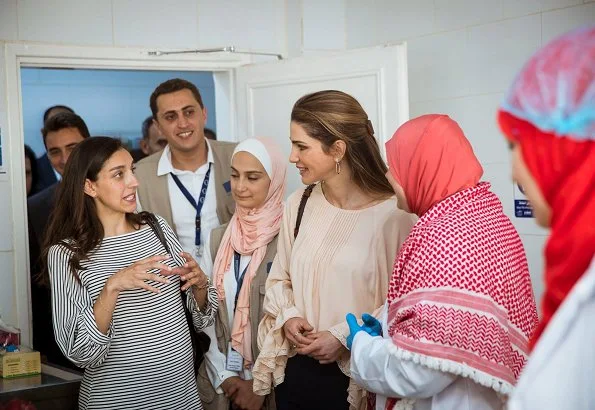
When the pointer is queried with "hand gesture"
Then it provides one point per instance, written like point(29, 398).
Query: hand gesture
point(295, 329)
point(136, 275)
point(324, 347)
point(371, 326)
point(190, 273)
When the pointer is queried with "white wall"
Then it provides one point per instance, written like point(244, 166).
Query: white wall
point(462, 55)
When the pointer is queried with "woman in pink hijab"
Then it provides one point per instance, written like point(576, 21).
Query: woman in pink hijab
point(244, 249)
point(460, 307)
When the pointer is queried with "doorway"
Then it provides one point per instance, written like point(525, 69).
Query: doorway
point(16, 296)
point(111, 102)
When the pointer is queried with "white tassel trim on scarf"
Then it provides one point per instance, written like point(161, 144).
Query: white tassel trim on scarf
point(404, 404)
point(500, 386)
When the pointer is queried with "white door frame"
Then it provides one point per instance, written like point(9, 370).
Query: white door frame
point(18, 55)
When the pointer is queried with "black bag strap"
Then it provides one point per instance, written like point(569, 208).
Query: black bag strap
point(154, 224)
point(301, 208)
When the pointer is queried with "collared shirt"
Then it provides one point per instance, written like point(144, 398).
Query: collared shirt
point(183, 213)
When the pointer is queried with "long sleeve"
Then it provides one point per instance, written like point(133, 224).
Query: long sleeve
point(559, 373)
point(215, 362)
point(75, 328)
point(200, 319)
point(278, 307)
point(279, 302)
point(375, 367)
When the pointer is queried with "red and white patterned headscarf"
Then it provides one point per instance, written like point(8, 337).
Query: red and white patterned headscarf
point(460, 298)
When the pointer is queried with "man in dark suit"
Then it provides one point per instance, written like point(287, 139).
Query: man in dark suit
point(46, 172)
point(61, 133)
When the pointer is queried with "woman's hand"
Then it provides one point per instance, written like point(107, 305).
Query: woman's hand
point(230, 386)
point(136, 275)
point(191, 273)
point(195, 278)
point(323, 347)
point(295, 330)
point(245, 398)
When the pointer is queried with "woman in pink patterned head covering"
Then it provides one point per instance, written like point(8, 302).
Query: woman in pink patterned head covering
point(246, 248)
point(460, 308)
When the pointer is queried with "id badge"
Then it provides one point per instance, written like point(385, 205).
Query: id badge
point(235, 361)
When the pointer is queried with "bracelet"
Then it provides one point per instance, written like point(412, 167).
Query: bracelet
point(101, 306)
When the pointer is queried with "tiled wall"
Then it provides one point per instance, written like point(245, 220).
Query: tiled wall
point(462, 56)
point(255, 24)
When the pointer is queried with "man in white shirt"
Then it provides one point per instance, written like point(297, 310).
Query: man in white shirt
point(187, 183)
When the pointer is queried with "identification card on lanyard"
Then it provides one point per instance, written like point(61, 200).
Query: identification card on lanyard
point(197, 206)
point(235, 361)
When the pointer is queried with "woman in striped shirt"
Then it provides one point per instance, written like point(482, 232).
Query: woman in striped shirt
point(116, 293)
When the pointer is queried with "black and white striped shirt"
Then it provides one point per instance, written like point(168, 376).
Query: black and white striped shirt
point(145, 360)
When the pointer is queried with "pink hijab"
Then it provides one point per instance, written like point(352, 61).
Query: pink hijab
point(249, 232)
point(431, 159)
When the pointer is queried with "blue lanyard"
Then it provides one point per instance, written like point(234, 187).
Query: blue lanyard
point(197, 205)
point(239, 278)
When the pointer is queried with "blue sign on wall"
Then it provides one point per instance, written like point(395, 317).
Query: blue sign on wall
point(522, 207)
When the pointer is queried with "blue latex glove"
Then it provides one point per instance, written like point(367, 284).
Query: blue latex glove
point(371, 326)
point(354, 328)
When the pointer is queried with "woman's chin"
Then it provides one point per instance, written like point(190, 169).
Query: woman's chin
point(245, 203)
point(307, 179)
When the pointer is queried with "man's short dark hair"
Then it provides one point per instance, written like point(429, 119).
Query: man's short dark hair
point(65, 120)
point(171, 86)
point(210, 134)
point(61, 108)
point(146, 125)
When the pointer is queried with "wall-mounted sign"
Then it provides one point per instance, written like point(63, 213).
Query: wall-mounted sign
point(522, 207)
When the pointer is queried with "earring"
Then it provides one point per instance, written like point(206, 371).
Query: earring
point(338, 166)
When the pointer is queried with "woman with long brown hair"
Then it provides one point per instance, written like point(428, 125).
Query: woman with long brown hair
point(116, 294)
point(338, 238)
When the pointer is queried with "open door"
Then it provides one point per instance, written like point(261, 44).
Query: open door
point(376, 77)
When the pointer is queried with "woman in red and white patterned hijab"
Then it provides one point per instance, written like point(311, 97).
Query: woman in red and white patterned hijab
point(460, 306)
